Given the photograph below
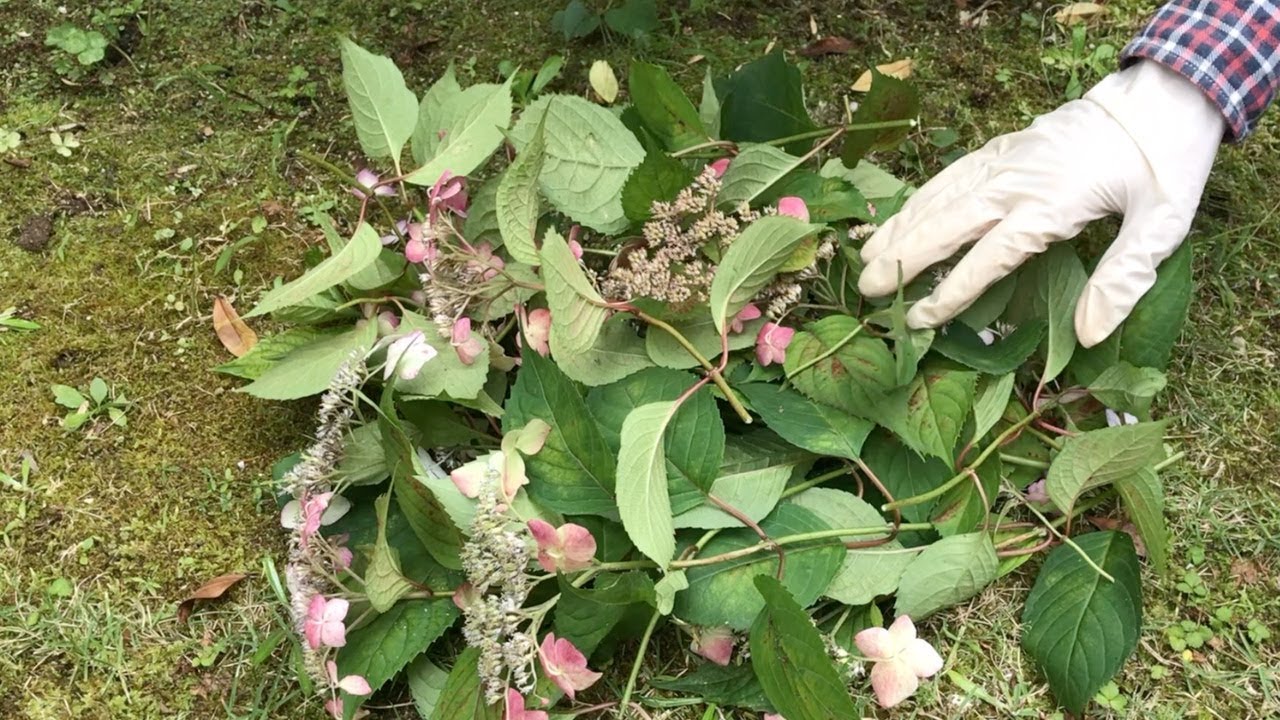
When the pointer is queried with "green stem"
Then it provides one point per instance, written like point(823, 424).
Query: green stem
point(1169, 460)
point(793, 539)
point(831, 351)
point(712, 371)
point(823, 132)
point(1024, 462)
point(811, 482)
point(635, 666)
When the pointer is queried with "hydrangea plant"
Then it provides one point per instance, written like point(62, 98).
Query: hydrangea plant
point(618, 379)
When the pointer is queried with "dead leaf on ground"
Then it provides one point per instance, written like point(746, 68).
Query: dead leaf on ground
point(1246, 571)
point(211, 590)
point(1106, 523)
point(900, 69)
point(237, 337)
point(829, 45)
point(1078, 12)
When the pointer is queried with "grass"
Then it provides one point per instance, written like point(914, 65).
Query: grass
point(190, 134)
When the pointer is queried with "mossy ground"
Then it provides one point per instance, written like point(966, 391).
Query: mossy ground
point(193, 135)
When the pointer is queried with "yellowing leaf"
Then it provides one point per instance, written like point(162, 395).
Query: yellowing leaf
point(237, 337)
point(1078, 12)
point(603, 81)
point(900, 69)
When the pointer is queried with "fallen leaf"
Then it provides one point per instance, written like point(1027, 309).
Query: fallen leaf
point(1105, 523)
point(900, 69)
point(211, 590)
point(1078, 12)
point(829, 45)
point(1246, 571)
point(603, 81)
point(237, 337)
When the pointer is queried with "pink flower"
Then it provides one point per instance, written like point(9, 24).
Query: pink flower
point(565, 665)
point(568, 548)
point(538, 330)
point(1036, 493)
point(418, 247)
point(575, 247)
point(312, 512)
point(900, 658)
point(449, 193)
point(773, 716)
point(464, 343)
point(516, 711)
point(719, 166)
point(406, 355)
point(715, 644)
point(342, 558)
point(469, 477)
point(333, 706)
point(794, 207)
point(746, 314)
point(323, 625)
point(464, 595)
point(485, 262)
point(402, 229)
point(772, 342)
point(352, 684)
point(367, 180)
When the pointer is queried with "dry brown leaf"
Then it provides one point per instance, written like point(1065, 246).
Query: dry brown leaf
point(829, 45)
point(1246, 571)
point(1106, 523)
point(1078, 12)
point(211, 590)
point(696, 59)
point(237, 337)
point(900, 69)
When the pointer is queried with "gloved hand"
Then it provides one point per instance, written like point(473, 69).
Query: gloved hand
point(1139, 144)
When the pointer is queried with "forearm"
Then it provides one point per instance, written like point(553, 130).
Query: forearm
point(1230, 49)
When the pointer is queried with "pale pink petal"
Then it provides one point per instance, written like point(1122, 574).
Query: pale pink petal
point(773, 716)
point(1037, 492)
point(355, 685)
point(314, 622)
point(746, 314)
point(794, 207)
point(715, 644)
point(291, 515)
point(875, 643)
point(531, 437)
point(902, 631)
point(921, 658)
point(893, 682)
point(538, 330)
point(464, 595)
point(331, 671)
point(334, 707)
point(343, 558)
point(772, 342)
point(575, 247)
point(513, 474)
point(565, 665)
point(719, 166)
point(468, 477)
point(578, 545)
point(543, 532)
point(415, 251)
point(517, 711)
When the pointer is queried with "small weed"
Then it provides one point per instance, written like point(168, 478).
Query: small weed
point(86, 47)
point(1109, 697)
point(9, 140)
point(1081, 62)
point(64, 145)
point(101, 399)
point(10, 321)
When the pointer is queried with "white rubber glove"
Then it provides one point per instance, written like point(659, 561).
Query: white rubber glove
point(1139, 144)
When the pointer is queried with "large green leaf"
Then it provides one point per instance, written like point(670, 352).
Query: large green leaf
point(751, 262)
point(577, 310)
point(930, 413)
point(586, 616)
point(751, 479)
point(1143, 497)
point(855, 372)
point(790, 660)
point(432, 116)
point(1048, 288)
point(888, 99)
point(701, 333)
point(663, 107)
point(1079, 626)
point(470, 126)
point(517, 202)
point(993, 397)
point(1125, 388)
point(617, 353)
point(947, 572)
point(271, 349)
point(720, 594)
point(463, 694)
point(574, 471)
point(964, 507)
point(729, 685)
point(709, 107)
point(643, 502)
point(427, 516)
point(764, 100)
point(309, 369)
point(444, 374)
point(1101, 457)
point(866, 573)
point(874, 182)
point(426, 684)
point(363, 460)
point(387, 268)
point(962, 344)
point(903, 472)
point(383, 109)
point(382, 648)
point(752, 172)
point(828, 199)
point(589, 154)
point(659, 178)
point(355, 256)
point(813, 426)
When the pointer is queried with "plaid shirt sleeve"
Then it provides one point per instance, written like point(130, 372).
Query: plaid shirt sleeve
point(1229, 48)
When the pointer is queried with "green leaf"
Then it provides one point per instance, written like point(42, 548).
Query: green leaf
point(589, 155)
point(790, 659)
point(617, 353)
point(659, 178)
point(577, 310)
point(746, 484)
point(586, 616)
point(841, 367)
point(888, 99)
point(1125, 388)
point(363, 460)
point(666, 589)
point(667, 352)
point(990, 305)
point(643, 502)
point(721, 594)
point(752, 172)
point(730, 685)
point(517, 202)
point(384, 582)
point(98, 390)
point(575, 21)
point(574, 471)
point(432, 117)
point(1153, 327)
point(463, 694)
point(993, 398)
point(663, 107)
point(309, 369)
point(903, 472)
point(709, 108)
point(764, 100)
point(426, 685)
point(1143, 497)
point(635, 19)
point(548, 72)
point(481, 224)
point(930, 413)
point(828, 198)
point(472, 123)
point(962, 344)
point(1101, 457)
point(1078, 626)
point(751, 262)
point(1049, 287)
point(383, 109)
point(813, 426)
point(963, 508)
point(382, 648)
point(67, 396)
point(385, 269)
point(355, 256)
point(875, 183)
point(426, 515)
point(947, 572)
point(444, 374)
point(866, 573)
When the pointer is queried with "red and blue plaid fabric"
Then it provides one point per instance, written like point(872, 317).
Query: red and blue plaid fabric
point(1230, 48)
